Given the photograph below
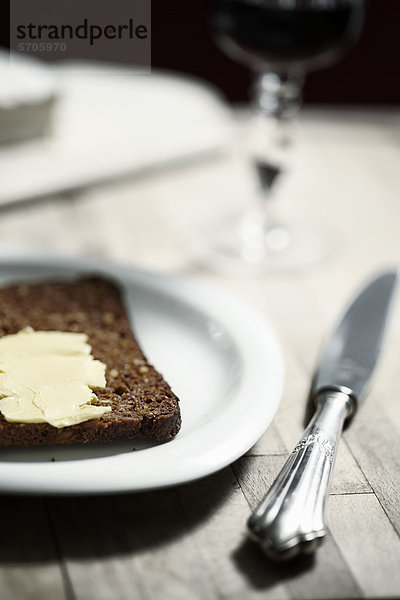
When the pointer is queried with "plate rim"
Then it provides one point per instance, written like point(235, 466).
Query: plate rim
point(219, 304)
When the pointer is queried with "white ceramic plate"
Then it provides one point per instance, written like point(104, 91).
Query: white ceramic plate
point(222, 360)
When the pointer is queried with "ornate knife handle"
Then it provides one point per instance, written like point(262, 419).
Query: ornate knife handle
point(290, 519)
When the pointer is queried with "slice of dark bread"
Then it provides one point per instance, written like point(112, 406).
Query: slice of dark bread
point(143, 405)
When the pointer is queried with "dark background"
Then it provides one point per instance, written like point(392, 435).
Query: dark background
point(369, 74)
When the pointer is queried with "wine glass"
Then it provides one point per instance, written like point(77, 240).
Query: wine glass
point(280, 40)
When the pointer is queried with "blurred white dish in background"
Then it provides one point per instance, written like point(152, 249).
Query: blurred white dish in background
point(27, 97)
point(112, 122)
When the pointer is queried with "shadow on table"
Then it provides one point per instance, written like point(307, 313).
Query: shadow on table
point(262, 572)
point(36, 529)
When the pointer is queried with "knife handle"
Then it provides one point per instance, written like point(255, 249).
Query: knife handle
point(290, 519)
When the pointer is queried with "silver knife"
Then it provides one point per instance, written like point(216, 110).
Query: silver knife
point(290, 519)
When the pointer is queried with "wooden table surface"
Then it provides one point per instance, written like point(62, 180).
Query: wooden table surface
point(189, 542)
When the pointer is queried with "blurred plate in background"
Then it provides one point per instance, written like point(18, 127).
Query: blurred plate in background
point(111, 122)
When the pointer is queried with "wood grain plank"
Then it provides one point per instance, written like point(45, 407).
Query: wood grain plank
point(269, 443)
point(130, 546)
point(29, 562)
point(94, 556)
point(136, 227)
point(375, 444)
point(368, 542)
point(348, 478)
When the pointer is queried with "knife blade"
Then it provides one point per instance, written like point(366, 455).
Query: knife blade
point(351, 353)
point(290, 519)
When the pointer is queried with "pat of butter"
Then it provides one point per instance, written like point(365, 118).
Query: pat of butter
point(47, 376)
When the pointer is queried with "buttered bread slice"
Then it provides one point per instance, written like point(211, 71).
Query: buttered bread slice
point(71, 370)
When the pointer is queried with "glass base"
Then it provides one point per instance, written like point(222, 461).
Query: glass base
point(247, 246)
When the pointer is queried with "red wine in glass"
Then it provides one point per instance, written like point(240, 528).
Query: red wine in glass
point(278, 34)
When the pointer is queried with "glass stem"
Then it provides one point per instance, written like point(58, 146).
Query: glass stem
point(277, 102)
